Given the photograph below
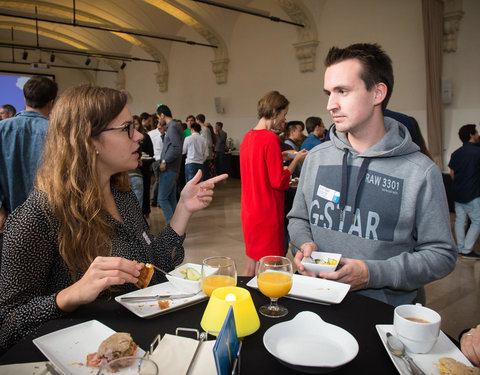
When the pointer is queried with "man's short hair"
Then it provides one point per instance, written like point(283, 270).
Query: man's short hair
point(163, 109)
point(200, 117)
point(311, 123)
point(466, 131)
point(9, 109)
point(145, 116)
point(196, 127)
point(219, 124)
point(292, 126)
point(190, 117)
point(39, 91)
point(377, 66)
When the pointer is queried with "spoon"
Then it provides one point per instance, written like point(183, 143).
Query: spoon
point(398, 349)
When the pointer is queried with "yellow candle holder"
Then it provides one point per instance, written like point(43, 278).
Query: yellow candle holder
point(244, 311)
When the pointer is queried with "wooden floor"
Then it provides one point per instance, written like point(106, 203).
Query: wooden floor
point(217, 230)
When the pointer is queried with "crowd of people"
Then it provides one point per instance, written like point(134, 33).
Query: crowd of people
point(75, 182)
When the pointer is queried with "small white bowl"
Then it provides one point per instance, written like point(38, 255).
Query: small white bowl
point(178, 280)
point(316, 268)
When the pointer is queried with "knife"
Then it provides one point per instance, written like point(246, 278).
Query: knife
point(156, 297)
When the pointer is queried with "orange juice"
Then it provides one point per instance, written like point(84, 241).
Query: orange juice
point(274, 284)
point(210, 283)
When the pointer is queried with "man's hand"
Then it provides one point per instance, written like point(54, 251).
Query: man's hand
point(470, 345)
point(3, 218)
point(353, 272)
point(306, 249)
point(162, 167)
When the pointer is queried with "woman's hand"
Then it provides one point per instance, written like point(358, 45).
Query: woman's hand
point(198, 195)
point(102, 274)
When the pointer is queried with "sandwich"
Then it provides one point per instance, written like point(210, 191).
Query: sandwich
point(145, 276)
point(116, 346)
point(449, 366)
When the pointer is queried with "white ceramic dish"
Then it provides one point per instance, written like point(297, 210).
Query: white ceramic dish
point(149, 309)
point(316, 268)
point(177, 278)
point(309, 344)
point(313, 289)
point(443, 348)
point(67, 348)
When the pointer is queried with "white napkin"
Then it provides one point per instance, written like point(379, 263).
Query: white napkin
point(174, 353)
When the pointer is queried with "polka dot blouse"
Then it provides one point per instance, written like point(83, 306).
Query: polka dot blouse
point(33, 272)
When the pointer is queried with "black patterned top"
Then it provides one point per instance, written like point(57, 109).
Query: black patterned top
point(33, 272)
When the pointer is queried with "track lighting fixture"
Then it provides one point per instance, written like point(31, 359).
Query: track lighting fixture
point(88, 60)
point(24, 54)
point(52, 58)
point(124, 64)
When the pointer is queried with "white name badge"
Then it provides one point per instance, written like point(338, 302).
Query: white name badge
point(147, 240)
point(328, 194)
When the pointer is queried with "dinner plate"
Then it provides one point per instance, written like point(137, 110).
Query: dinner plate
point(313, 289)
point(149, 309)
point(444, 347)
point(67, 348)
point(309, 344)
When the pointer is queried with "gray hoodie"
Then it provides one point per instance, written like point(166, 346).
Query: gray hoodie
point(401, 227)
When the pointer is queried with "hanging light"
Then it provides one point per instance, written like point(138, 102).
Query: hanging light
point(24, 54)
point(52, 58)
point(88, 60)
point(124, 64)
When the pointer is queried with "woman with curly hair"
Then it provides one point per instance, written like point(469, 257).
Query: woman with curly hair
point(76, 236)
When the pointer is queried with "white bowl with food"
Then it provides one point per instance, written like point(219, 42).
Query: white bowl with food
point(186, 278)
point(321, 262)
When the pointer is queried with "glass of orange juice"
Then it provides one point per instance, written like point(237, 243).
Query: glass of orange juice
point(274, 279)
point(218, 271)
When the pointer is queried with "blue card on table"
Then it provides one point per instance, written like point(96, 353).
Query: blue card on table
point(225, 349)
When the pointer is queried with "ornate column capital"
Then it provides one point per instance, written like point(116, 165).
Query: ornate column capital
point(306, 52)
point(220, 69)
point(452, 15)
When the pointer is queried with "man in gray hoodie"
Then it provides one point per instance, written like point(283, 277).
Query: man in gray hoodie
point(369, 193)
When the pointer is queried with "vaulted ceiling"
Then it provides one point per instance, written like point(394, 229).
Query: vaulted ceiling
point(211, 25)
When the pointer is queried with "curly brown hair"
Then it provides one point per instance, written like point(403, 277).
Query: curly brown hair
point(68, 174)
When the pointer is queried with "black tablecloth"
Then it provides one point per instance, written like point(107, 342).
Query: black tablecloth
point(357, 314)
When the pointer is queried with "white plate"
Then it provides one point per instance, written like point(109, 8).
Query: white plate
point(444, 347)
point(307, 343)
point(67, 348)
point(313, 289)
point(149, 309)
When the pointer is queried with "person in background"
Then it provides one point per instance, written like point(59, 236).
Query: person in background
point(371, 195)
point(196, 151)
point(21, 144)
point(200, 119)
point(81, 228)
point(316, 133)
point(220, 147)
point(170, 162)
point(7, 111)
point(294, 134)
point(264, 182)
point(157, 136)
point(190, 121)
point(147, 121)
point(211, 162)
point(420, 140)
point(465, 172)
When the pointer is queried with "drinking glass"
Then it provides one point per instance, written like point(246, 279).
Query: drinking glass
point(274, 279)
point(130, 365)
point(218, 271)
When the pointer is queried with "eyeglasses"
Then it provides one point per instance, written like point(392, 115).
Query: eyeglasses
point(128, 126)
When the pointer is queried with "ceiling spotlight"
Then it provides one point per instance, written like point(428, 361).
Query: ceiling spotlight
point(123, 65)
point(52, 58)
point(88, 60)
point(24, 54)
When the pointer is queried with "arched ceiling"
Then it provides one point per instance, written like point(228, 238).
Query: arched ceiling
point(151, 17)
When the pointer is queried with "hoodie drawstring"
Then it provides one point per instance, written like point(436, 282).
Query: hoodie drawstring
point(343, 192)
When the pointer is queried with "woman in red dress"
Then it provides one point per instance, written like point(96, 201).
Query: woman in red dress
point(264, 182)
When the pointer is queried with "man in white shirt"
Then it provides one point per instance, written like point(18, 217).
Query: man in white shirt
point(157, 136)
point(195, 146)
point(205, 132)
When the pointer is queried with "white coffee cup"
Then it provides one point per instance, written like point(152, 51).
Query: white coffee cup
point(417, 327)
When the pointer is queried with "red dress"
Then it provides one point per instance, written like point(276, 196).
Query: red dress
point(264, 182)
